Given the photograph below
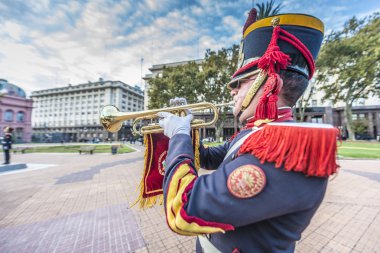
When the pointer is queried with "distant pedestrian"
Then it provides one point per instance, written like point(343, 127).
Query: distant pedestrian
point(7, 143)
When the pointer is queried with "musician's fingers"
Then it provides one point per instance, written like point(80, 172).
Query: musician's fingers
point(187, 111)
point(164, 114)
point(182, 101)
point(189, 117)
point(161, 123)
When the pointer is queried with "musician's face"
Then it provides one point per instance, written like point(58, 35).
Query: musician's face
point(239, 94)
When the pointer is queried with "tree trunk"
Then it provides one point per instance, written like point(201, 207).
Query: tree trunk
point(301, 110)
point(304, 101)
point(235, 125)
point(348, 116)
point(219, 130)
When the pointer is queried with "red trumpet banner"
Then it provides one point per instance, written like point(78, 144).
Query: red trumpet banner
point(156, 149)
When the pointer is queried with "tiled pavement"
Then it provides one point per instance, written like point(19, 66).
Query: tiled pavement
point(81, 204)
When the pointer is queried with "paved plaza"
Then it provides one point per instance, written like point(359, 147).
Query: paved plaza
point(81, 203)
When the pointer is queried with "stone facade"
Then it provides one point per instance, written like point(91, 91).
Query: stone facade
point(15, 111)
point(368, 115)
point(71, 113)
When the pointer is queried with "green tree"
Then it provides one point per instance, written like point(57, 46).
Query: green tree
point(217, 70)
point(159, 90)
point(178, 81)
point(360, 126)
point(267, 9)
point(348, 64)
point(204, 82)
point(304, 101)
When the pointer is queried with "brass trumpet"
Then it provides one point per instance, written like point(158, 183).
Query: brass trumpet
point(112, 119)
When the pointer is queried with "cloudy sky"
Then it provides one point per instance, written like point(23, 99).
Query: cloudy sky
point(46, 44)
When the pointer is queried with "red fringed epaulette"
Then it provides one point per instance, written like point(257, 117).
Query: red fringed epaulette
point(300, 147)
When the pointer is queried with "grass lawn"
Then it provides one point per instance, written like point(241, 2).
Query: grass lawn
point(212, 144)
point(359, 149)
point(347, 149)
point(75, 148)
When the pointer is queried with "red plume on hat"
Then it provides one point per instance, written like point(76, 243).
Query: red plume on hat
point(252, 17)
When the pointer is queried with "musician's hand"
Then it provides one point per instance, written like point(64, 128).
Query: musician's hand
point(173, 124)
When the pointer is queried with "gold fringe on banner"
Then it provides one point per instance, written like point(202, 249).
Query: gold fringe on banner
point(196, 144)
point(152, 159)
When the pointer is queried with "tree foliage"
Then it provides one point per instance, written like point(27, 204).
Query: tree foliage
point(304, 101)
point(217, 70)
point(180, 81)
point(360, 126)
point(196, 82)
point(348, 64)
point(205, 82)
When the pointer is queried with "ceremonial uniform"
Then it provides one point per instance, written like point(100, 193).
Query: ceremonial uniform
point(270, 179)
point(7, 144)
point(270, 221)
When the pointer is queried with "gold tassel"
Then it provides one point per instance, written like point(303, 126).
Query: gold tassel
point(197, 162)
point(140, 187)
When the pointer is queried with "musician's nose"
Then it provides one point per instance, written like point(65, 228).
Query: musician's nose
point(234, 92)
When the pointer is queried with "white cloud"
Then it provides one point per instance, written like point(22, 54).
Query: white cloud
point(80, 41)
point(38, 6)
point(12, 29)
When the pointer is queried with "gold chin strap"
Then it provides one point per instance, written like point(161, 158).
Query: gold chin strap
point(253, 89)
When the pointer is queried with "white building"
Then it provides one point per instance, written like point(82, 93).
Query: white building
point(71, 113)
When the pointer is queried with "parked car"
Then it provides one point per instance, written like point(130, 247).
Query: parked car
point(95, 140)
point(365, 137)
point(208, 139)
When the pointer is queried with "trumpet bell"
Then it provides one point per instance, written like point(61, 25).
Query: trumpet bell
point(107, 118)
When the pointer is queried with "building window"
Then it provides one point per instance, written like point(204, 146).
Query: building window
point(20, 117)
point(317, 119)
point(314, 102)
point(8, 116)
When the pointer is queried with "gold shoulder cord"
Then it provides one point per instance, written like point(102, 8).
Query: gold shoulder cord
point(253, 89)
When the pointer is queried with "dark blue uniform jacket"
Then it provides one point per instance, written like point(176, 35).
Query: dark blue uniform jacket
point(7, 142)
point(271, 221)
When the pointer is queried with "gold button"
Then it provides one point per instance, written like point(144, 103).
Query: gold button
point(275, 21)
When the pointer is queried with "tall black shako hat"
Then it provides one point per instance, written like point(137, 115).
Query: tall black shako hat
point(8, 129)
point(285, 41)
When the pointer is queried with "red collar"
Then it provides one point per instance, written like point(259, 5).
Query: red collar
point(284, 114)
